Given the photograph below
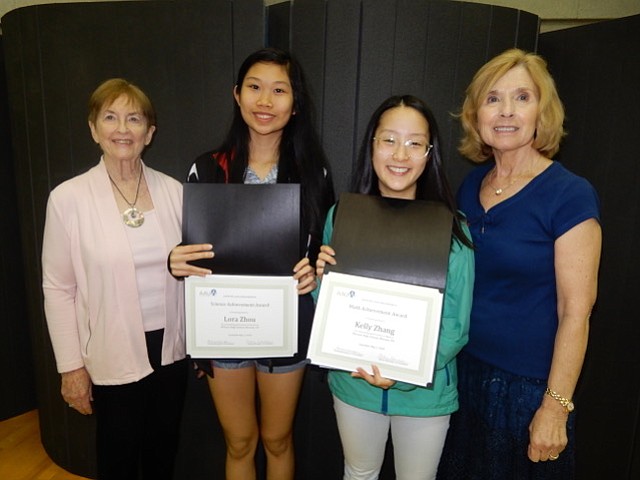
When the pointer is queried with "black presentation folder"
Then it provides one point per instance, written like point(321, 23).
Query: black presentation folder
point(406, 241)
point(254, 229)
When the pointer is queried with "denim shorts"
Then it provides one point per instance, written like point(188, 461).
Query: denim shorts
point(263, 365)
point(306, 309)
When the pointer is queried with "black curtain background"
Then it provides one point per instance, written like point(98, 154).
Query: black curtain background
point(185, 54)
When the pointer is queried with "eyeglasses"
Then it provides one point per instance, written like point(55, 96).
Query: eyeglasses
point(416, 148)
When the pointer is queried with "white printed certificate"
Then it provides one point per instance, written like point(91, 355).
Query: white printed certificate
point(235, 316)
point(361, 321)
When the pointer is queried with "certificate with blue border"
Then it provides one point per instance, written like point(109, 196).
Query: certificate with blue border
point(360, 321)
point(236, 316)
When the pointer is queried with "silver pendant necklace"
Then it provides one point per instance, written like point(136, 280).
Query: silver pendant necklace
point(132, 217)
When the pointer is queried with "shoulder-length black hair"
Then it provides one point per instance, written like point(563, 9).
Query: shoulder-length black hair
point(431, 185)
point(301, 157)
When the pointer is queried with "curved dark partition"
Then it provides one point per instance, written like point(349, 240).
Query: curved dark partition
point(16, 364)
point(355, 54)
point(184, 54)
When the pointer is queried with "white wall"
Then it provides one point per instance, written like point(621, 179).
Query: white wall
point(559, 14)
point(8, 5)
point(555, 14)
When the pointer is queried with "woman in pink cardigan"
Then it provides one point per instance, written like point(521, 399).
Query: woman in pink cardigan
point(115, 315)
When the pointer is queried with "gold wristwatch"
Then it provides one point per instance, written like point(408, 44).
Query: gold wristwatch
point(565, 402)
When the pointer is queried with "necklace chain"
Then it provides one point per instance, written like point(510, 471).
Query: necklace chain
point(500, 190)
point(135, 200)
point(132, 217)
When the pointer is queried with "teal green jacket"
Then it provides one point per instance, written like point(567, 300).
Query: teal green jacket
point(440, 398)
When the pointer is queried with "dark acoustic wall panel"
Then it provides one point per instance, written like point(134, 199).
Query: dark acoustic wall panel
point(355, 53)
point(184, 54)
point(597, 72)
point(278, 16)
point(358, 52)
point(16, 365)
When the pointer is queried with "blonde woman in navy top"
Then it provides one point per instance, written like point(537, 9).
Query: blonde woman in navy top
point(537, 238)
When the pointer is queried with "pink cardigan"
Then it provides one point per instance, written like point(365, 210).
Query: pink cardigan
point(89, 281)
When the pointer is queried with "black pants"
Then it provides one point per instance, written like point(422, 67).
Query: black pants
point(138, 423)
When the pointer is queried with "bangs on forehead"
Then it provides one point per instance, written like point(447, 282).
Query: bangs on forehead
point(403, 106)
point(131, 102)
point(285, 66)
point(491, 81)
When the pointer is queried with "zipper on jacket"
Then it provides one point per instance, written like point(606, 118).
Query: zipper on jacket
point(385, 402)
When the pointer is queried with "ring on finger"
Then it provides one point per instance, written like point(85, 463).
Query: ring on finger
point(553, 457)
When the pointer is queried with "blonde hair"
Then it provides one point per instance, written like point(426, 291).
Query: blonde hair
point(109, 90)
point(549, 129)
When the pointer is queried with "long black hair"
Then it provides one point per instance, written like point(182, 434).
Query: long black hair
point(431, 185)
point(301, 157)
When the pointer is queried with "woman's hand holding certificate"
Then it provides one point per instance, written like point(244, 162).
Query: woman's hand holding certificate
point(181, 255)
point(305, 275)
point(376, 379)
